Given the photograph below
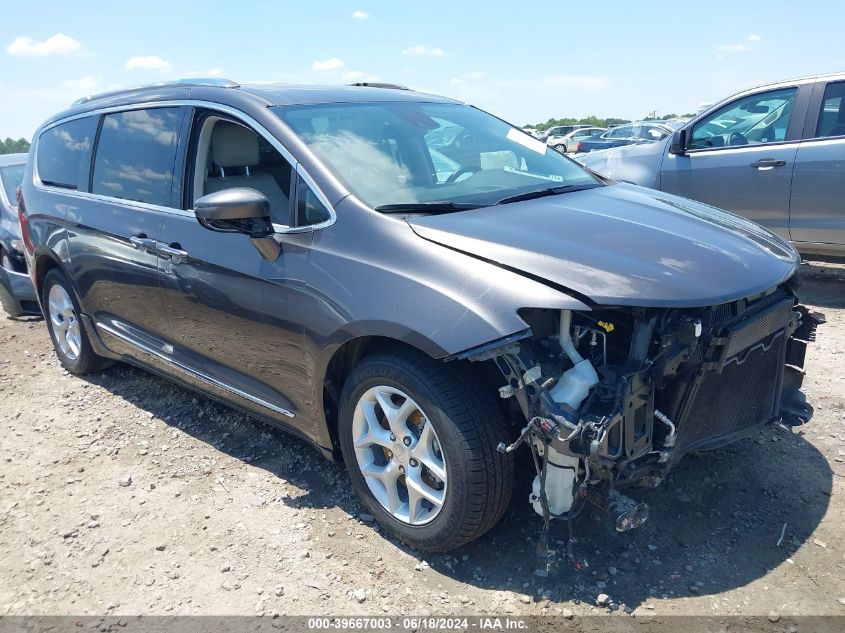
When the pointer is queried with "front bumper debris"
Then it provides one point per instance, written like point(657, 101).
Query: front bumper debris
point(603, 414)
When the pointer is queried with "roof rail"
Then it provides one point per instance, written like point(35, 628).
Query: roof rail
point(194, 81)
point(378, 84)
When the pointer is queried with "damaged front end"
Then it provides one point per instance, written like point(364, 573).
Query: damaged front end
point(615, 397)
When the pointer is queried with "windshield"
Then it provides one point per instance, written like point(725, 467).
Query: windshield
point(395, 153)
point(11, 177)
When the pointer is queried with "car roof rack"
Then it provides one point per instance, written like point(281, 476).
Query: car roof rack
point(216, 82)
point(379, 84)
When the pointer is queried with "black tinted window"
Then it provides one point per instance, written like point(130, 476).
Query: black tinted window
point(11, 177)
point(832, 115)
point(136, 155)
point(64, 153)
point(309, 209)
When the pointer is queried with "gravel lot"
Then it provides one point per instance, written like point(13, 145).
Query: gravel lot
point(124, 494)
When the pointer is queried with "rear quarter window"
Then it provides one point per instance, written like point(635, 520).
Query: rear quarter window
point(64, 153)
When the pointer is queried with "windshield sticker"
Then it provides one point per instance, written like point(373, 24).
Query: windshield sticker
point(522, 172)
point(526, 140)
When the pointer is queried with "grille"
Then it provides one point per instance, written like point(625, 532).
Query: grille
point(725, 404)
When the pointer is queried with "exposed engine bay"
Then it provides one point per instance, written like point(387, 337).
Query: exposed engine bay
point(615, 397)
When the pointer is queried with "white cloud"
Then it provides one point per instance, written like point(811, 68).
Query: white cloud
point(332, 63)
point(147, 62)
point(360, 15)
point(85, 85)
point(732, 48)
point(727, 49)
point(422, 50)
point(58, 44)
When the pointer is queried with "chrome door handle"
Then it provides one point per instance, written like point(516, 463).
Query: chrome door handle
point(768, 163)
point(142, 243)
point(176, 255)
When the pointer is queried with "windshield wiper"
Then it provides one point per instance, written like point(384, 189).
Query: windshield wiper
point(550, 191)
point(428, 207)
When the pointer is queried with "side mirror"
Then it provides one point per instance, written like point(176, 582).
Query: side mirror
point(237, 210)
point(678, 145)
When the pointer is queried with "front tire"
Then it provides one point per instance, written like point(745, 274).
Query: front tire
point(70, 340)
point(419, 440)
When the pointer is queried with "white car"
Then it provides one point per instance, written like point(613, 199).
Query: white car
point(568, 142)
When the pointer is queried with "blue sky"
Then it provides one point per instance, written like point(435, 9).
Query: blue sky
point(525, 61)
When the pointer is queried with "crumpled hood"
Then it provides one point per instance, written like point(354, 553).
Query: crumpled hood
point(622, 245)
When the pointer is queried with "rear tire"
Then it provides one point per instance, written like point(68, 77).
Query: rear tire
point(466, 425)
point(70, 340)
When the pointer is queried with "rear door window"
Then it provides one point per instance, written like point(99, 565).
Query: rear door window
point(136, 155)
point(832, 115)
point(64, 153)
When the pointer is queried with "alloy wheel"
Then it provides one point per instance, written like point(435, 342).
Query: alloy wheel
point(399, 455)
point(64, 322)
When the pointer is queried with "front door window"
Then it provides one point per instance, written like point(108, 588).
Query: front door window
point(752, 120)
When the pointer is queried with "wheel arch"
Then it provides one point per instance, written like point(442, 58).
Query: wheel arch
point(45, 260)
point(345, 356)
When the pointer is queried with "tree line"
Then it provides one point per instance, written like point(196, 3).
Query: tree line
point(594, 121)
point(11, 146)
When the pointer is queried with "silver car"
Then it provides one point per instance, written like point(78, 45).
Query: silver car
point(774, 154)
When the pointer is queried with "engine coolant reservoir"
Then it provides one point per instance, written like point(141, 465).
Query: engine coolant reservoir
point(574, 385)
point(570, 390)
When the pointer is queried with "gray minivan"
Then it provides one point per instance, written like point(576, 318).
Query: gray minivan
point(414, 286)
point(774, 154)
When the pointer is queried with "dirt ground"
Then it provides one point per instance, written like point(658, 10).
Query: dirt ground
point(124, 494)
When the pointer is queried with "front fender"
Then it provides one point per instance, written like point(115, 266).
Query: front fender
point(637, 164)
point(410, 289)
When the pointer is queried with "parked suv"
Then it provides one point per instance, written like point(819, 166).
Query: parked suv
point(296, 253)
point(773, 154)
point(17, 296)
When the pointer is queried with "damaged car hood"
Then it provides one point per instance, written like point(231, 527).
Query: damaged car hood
point(622, 245)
